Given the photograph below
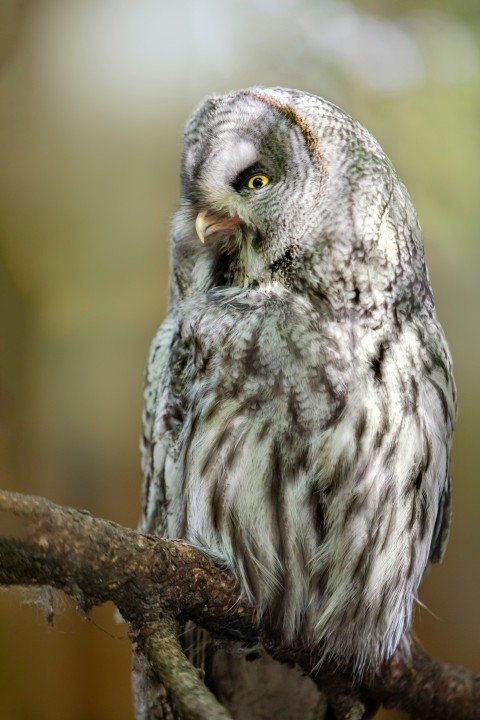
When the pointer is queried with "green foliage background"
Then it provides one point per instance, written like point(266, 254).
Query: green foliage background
point(93, 98)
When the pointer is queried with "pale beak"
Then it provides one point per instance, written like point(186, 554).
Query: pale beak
point(208, 223)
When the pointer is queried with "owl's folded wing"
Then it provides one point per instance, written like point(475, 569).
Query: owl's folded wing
point(154, 443)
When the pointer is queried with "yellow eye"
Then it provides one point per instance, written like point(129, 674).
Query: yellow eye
point(257, 181)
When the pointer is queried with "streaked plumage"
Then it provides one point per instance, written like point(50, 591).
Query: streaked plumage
point(299, 397)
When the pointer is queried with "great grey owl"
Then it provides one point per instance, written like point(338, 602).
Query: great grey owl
point(299, 398)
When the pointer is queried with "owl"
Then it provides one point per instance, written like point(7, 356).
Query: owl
point(299, 400)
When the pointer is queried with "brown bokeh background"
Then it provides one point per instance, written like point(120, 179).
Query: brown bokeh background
point(93, 98)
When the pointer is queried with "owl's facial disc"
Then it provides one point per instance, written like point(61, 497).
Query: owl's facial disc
point(229, 212)
point(208, 224)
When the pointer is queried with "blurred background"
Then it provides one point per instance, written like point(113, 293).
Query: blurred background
point(93, 98)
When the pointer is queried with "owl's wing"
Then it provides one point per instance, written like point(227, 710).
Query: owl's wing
point(155, 442)
point(438, 371)
point(160, 412)
point(442, 523)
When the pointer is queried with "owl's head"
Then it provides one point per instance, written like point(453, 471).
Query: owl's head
point(280, 186)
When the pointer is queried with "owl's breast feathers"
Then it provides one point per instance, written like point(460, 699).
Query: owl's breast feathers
point(310, 456)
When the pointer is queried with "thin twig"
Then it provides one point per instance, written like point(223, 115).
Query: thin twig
point(189, 695)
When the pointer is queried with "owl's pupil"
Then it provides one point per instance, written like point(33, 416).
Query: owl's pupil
point(257, 182)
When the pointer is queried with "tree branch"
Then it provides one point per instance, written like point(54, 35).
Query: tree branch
point(155, 582)
point(191, 698)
